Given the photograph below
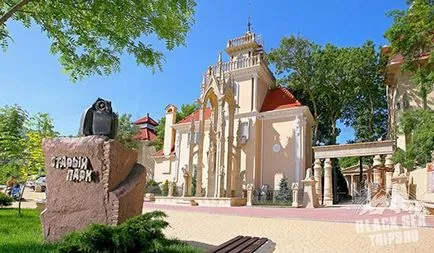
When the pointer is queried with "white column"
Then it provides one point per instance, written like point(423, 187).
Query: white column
point(389, 165)
point(328, 183)
point(377, 164)
point(200, 152)
point(297, 131)
point(178, 153)
point(317, 172)
point(255, 92)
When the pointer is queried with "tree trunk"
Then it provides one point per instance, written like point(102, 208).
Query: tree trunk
point(12, 11)
point(334, 135)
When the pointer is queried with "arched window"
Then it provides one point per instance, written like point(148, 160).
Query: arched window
point(236, 90)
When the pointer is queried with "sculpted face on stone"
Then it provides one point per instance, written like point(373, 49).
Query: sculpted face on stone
point(99, 119)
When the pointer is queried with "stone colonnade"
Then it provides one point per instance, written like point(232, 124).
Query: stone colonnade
point(381, 173)
point(381, 178)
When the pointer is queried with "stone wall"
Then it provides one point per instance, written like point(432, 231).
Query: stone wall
point(418, 185)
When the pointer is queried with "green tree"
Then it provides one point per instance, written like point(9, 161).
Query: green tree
point(366, 111)
point(335, 83)
point(411, 35)
point(40, 127)
point(12, 141)
point(90, 36)
point(418, 125)
point(186, 109)
point(127, 132)
point(294, 59)
point(284, 192)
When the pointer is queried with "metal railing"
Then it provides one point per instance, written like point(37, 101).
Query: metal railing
point(245, 39)
point(271, 197)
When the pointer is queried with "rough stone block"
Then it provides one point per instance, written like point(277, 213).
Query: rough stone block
point(114, 193)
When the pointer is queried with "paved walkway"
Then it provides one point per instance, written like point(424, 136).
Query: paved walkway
point(342, 214)
point(297, 230)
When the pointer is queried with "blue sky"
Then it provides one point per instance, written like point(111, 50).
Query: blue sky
point(32, 78)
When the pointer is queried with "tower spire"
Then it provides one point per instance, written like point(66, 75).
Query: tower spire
point(249, 25)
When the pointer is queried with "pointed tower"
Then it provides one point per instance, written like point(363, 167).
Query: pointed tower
point(248, 68)
point(250, 44)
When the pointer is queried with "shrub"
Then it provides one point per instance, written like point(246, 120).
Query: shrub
point(165, 188)
point(142, 233)
point(153, 187)
point(5, 200)
point(284, 192)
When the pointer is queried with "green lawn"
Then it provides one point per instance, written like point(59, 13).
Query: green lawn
point(21, 233)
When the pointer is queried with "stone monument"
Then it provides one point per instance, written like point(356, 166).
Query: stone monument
point(250, 189)
point(310, 200)
point(91, 179)
point(295, 190)
point(399, 200)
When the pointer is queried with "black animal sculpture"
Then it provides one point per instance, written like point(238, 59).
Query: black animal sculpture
point(99, 119)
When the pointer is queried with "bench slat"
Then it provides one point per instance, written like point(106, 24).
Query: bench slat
point(256, 245)
point(235, 244)
point(244, 245)
point(222, 246)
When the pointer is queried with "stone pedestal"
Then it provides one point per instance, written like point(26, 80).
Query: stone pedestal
point(170, 190)
point(250, 189)
point(89, 180)
point(149, 197)
point(295, 189)
point(399, 192)
point(186, 189)
point(310, 200)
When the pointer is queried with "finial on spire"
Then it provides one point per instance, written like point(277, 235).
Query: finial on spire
point(220, 57)
point(249, 25)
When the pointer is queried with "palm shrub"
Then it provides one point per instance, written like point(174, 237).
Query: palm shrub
point(142, 233)
point(5, 200)
point(153, 187)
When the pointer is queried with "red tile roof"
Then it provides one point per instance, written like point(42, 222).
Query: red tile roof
point(279, 98)
point(161, 152)
point(195, 115)
point(146, 134)
point(398, 58)
point(146, 120)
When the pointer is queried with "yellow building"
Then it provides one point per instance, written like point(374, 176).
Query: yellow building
point(248, 131)
point(402, 95)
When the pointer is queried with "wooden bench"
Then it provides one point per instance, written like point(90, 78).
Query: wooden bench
point(246, 244)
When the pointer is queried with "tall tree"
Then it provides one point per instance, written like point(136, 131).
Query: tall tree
point(366, 112)
point(294, 59)
point(421, 143)
point(90, 36)
point(411, 36)
point(127, 132)
point(40, 127)
point(12, 141)
point(336, 83)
